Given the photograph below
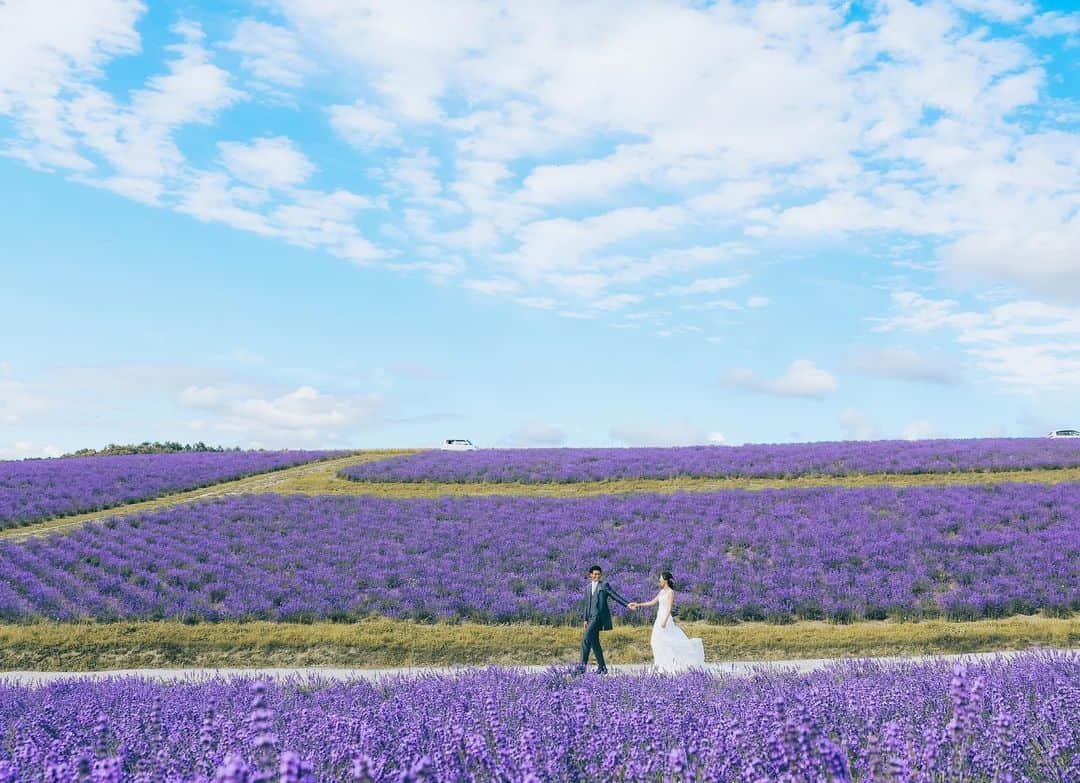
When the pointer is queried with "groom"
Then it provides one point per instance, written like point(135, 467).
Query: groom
point(597, 617)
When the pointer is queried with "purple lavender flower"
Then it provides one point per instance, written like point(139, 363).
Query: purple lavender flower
point(34, 490)
point(782, 460)
point(859, 720)
point(844, 554)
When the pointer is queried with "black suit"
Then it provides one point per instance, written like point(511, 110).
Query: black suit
point(597, 617)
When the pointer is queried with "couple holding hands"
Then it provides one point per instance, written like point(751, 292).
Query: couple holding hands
point(672, 650)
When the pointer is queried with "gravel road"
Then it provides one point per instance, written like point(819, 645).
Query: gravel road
point(733, 668)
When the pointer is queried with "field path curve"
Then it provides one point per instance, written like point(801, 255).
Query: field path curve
point(317, 484)
point(271, 481)
point(321, 478)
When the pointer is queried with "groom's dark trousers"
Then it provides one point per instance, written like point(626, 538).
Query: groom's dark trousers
point(597, 617)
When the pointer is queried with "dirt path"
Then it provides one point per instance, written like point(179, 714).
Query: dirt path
point(274, 481)
point(734, 668)
point(320, 478)
point(324, 484)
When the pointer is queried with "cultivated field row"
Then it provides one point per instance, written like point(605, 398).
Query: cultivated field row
point(317, 482)
point(262, 482)
point(321, 478)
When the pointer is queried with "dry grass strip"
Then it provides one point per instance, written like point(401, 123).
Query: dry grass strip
point(325, 482)
point(386, 643)
point(261, 482)
point(320, 478)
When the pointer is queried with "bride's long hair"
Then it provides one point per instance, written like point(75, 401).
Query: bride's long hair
point(668, 578)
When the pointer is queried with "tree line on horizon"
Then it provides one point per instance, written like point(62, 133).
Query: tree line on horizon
point(148, 447)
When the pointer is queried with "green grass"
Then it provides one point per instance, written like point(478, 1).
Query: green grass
point(385, 643)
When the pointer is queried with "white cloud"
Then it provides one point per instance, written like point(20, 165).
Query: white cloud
point(49, 49)
point(1003, 10)
point(856, 425)
point(131, 149)
point(492, 287)
point(303, 408)
point(708, 285)
point(538, 302)
point(537, 434)
point(919, 430)
point(319, 219)
point(565, 245)
point(717, 438)
point(304, 413)
point(1043, 257)
point(757, 301)
point(192, 91)
point(575, 147)
point(271, 162)
point(212, 197)
point(616, 301)
point(906, 364)
point(132, 379)
point(202, 396)
point(19, 401)
point(24, 449)
point(270, 53)
point(1055, 23)
point(589, 180)
point(1026, 345)
point(134, 141)
point(802, 379)
point(714, 304)
point(362, 125)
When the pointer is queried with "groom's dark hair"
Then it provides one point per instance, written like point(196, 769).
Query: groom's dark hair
point(595, 568)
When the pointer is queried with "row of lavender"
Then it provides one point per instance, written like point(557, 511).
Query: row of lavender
point(846, 554)
point(776, 460)
point(1015, 720)
point(34, 490)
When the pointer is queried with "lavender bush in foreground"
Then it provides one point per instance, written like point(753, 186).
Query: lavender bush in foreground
point(754, 460)
point(33, 490)
point(962, 551)
point(1015, 720)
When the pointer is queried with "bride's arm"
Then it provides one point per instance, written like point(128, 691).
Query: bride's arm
point(639, 604)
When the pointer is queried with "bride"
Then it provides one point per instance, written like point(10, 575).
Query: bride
point(672, 650)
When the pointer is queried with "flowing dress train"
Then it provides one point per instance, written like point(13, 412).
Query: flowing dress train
point(672, 650)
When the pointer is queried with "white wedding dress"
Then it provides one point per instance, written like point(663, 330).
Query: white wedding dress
point(672, 650)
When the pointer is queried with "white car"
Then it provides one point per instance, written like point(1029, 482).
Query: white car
point(1064, 434)
point(457, 444)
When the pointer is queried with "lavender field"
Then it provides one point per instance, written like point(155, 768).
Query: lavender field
point(963, 552)
point(783, 460)
point(1013, 720)
point(34, 490)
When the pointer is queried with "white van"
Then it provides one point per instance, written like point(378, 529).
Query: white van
point(457, 444)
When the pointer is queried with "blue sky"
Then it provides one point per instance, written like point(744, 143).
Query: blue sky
point(336, 223)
